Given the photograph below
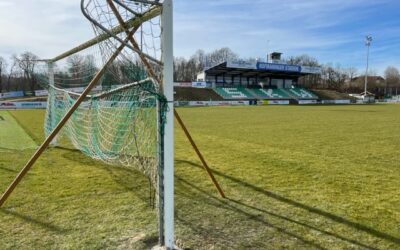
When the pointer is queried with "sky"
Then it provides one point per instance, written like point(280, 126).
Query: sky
point(332, 31)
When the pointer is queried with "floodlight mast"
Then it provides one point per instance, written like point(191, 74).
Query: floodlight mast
point(368, 40)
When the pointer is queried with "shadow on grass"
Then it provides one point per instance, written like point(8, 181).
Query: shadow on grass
point(352, 110)
point(150, 241)
point(303, 224)
point(65, 148)
point(7, 149)
point(9, 170)
point(218, 203)
point(29, 219)
point(130, 179)
point(314, 210)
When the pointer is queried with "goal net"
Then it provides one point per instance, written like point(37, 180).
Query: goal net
point(122, 120)
point(108, 96)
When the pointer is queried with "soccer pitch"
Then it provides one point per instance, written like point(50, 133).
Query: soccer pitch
point(296, 177)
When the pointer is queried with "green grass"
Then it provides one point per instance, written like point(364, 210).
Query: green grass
point(12, 136)
point(315, 177)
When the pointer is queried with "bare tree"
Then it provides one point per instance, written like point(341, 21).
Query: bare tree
point(11, 73)
point(333, 77)
point(187, 70)
point(27, 62)
point(351, 73)
point(180, 68)
point(200, 58)
point(308, 81)
point(221, 55)
point(82, 68)
point(3, 67)
point(340, 76)
point(392, 77)
point(75, 65)
point(304, 60)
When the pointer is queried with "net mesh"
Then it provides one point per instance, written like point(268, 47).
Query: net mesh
point(121, 121)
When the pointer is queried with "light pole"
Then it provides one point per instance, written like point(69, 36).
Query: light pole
point(368, 40)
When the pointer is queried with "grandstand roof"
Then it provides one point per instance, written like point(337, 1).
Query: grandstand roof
point(260, 69)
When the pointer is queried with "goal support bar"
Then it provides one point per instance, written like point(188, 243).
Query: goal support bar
point(196, 149)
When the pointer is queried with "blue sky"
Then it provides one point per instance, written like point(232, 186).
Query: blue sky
point(331, 31)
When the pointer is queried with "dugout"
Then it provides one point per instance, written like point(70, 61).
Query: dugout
point(255, 74)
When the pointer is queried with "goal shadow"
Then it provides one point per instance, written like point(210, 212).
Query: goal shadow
point(280, 198)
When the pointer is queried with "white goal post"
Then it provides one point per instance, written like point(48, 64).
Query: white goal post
point(167, 46)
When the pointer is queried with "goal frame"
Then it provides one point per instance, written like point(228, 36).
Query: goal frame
point(166, 173)
point(166, 149)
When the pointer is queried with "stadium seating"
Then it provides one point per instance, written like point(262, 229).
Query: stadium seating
point(300, 93)
point(234, 93)
point(270, 94)
point(261, 94)
point(195, 94)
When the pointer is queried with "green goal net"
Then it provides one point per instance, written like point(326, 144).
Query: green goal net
point(121, 121)
point(118, 127)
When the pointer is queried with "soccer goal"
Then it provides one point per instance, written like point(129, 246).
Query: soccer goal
point(112, 96)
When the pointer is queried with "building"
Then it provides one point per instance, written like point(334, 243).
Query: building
point(255, 74)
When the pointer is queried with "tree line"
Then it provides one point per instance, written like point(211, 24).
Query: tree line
point(334, 77)
point(22, 73)
point(18, 74)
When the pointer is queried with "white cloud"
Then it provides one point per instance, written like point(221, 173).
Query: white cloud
point(45, 27)
point(328, 30)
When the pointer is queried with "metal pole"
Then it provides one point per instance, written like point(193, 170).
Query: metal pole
point(366, 72)
point(141, 30)
point(168, 88)
point(50, 66)
point(368, 41)
point(196, 149)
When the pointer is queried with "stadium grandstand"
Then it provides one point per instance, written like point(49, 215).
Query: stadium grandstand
point(251, 80)
point(234, 82)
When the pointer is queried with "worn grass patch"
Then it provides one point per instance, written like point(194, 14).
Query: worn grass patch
point(12, 136)
point(318, 177)
point(32, 122)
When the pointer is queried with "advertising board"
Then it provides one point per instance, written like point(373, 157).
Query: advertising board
point(276, 102)
point(199, 84)
point(278, 67)
point(304, 102)
point(241, 64)
point(41, 93)
point(12, 94)
point(23, 105)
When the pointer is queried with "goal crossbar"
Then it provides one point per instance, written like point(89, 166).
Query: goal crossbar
point(134, 22)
